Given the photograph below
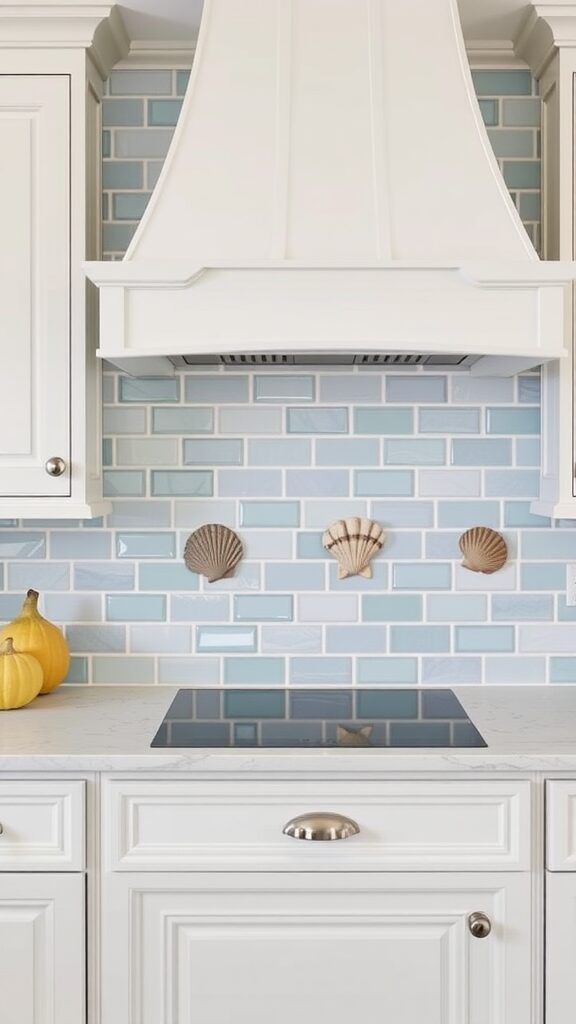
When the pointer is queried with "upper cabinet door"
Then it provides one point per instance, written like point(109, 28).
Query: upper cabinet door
point(34, 284)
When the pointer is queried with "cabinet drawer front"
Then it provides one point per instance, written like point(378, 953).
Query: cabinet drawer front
point(561, 825)
point(404, 826)
point(42, 826)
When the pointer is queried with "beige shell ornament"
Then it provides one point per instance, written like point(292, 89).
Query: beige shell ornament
point(353, 542)
point(213, 551)
point(484, 549)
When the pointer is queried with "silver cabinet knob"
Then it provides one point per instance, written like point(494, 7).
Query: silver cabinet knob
point(480, 925)
point(55, 466)
point(322, 826)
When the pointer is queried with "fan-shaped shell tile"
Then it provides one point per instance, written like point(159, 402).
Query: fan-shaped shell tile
point(213, 551)
point(353, 542)
point(484, 549)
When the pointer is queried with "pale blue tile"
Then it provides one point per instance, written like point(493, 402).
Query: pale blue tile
point(254, 671)
point(511, 483)
point(511, 82)
point(141, 142)
point(415, 452)
point(250, 420)
point(102, 637)
point(122, 174)
point(521, 173)
point(530, 206)
point(563, 670)
point(319, 514)
point(489, 111)
point(442, 545)
point(504, 420)
point(391, 607)
point(149, 389)
point(481, 452)
point(551, 544)
point(468, 513)
point(387, 670)
point(40, 575)
point(476, 390)
point(512, 143)
point(122, 112)
point(400, 514)
point(448, 420)
point(347, 452)
point(182, 79)
point(348, 388)
point(107, 451)
point(309, 545)
point(529, 389)
point(226, 639)
point(542, 576)
point(383, 421)
point(355, 639)
point(317, 421)
point(414, 639)
point(270, 513)
point(246, 577)
point(140, 83)
point(129, 205)
point(378, 582)
point(376, 483)
point(416, 388)
point(117, 237)
point(196, 671)
point(515, 669)
point(456, 608)
point(163, 113)
point(149, 451)
point(321, 670)
point(134, 670)
point(517, 513)
point(565, 613)
point(199, 607)
point(201, 510)
point(513, 607)
point(127, 420)
point(218, 388)
point(108, 388)
point(451, 671)
point(77, 673)
point(166, 576)
point(450, 483)
point(187, 420)
point(265, 544)
point(291, 639)
point(21, 544)
point(403, 544)
point(328, 607)
point(135, 607)
point(421, 576)
point(294, 576)
point(10, 605)
point(283, 387)
point(182, 483)
point(235, 483)
point(103, 576)
point(263, 607)
point(78, 544)
point(145, 545)
point(317, 483)
point(281, 452)
point(106, 144)
point(522, 112)
point(143, 514)
point(484, 638)
point(206, 452)
point(72, 607)
point(124, 483)
point(151, 639)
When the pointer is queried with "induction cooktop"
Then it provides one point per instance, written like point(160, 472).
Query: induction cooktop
point(361, 717)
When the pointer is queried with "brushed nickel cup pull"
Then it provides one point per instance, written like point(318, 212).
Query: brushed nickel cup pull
point(321, 826)
point(55, 466)
point(480, 925)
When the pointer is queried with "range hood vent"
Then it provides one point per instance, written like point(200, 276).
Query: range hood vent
point(366, 360)
point(331, 189)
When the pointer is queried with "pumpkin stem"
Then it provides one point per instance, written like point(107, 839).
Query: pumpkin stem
point(7, 646)
point(30, 602)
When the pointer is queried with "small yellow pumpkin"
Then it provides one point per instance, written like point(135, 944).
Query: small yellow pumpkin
point(20, 677)
point(33, 634)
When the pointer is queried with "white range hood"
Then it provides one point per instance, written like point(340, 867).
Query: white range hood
point(331, 195)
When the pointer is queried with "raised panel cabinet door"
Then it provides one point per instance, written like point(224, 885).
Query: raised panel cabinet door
point(34, 283)
point(261, 948)
point(560, 948)
point(42, 949)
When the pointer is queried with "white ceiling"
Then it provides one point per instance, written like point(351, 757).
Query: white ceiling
point(179, 19)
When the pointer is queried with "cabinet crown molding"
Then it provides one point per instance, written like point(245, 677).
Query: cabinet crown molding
point(548, 28)
point(97, 28)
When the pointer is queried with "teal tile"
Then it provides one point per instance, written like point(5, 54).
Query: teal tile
point(317, 483)
point(228, 388)
point(270, 513)
point(387, 670)
point(347, 451)
point(376, 483)
point(489, 111)
point(134, 670)
point(542, 576)
point(482, 452)
point(254, 671)
point(415, 452)
point(124, 483)
point(141, 142)
point(163, 112)
point(78, 672)
point(522, 112)
point(391, 607)
point(140, 83)
point(182, 79)
point(317, 421)
point(484, 638)
point(102, 576)
point(247, 704)
point(129, 112)
point(512, 142)
point(347, 388)
point(283, 388)
point(421, 576)
point(415, 388)
point(512, 82)
point(521, 173)
point(373, 704)
point(456, 608)
point(166, 576)
point(199, 607)
point(21, 544)
point(342, 639)
point(448, 420)
point(200, 669)
point(186, 420)
point(505, 420)
point(263, 608)
point(117, 174)
point(549, 545)
point(563, 670)
point(295, 451)
point(414, 639)
point(529, 607)
point(468, 513)
point(135, 607)
point(129, 205)
point(383, 421)
point(226, 639)
point(152, 544)
point(117, 237)
point(517, 513)
point(182, 483)
point(78, 544)
point(149, 389)
point(321, 670)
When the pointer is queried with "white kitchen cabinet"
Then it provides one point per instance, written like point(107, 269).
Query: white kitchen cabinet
point(560, 947)
point(42, 948)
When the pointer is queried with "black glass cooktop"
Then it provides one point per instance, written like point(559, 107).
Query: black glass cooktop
point(316, 718)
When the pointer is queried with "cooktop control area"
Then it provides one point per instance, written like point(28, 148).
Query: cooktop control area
point(359, 717)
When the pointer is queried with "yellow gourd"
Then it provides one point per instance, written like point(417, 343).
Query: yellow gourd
point(20, 677)
point(33, 634)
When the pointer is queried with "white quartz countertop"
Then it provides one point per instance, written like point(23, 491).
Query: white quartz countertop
point(109, 728)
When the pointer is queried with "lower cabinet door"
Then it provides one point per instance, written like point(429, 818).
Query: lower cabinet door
point(560, 947)
point(275, 949)
point(42, 949)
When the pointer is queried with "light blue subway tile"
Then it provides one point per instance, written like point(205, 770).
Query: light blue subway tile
point(78, 544)
point(355, 639)
point(347, 452)
point(284, 451)
point(481, 452)
point(141, 142)
point(550, 638)
point(196, 671)
point(383, 421)
point(152, 639)
point(549, 545)
point(124, 483)
point(217, 388)
point(442, 544)
point(317, 483)
point(489, 111)
point(102, 576)
point(265, 544)
point(133, 670)
point(512, 143)
point(10, 605)
point(400, 514)
point(128, 420)
point(378, 581)
point(129, 205)
point(468, 513)
point(328, 607)
point(149, 389)
point(415, 639)
point(309, 545)
point(163, 112)
point(476, 390)
point(135, 607)
point(208, 452)
point(122, 112)
point(101, 637)
point(391, 607)
point(448, 420)
point(187, 420)
point(517, 513)
point(246, 577)
point(451, 671)
point(505, 420)
point(181, 483)
point(416, 388)
point(515, 669)
point(348, 388)
point(566, 613)
point(530, 206)
point(283, 387)
point(77, 672)
point(143, 514)
point(319, 514)
point(387, 670)
point(377, 483)
point(72, 607)
point(41, 576)
point(295, 576)
point(166, 576)
point(270, 513)
point(250, 420)
point(563, 670)
point(521, 173)
point(456, 608)
point(511, 82)
point(145, 545)
point(321, 670)
point(254, 671)
point(117, 237)
point(521, 113)
point(512, 483)
point(484, 638)
point(542, 576)
point(182, 79)
point(236, 483)
point(201, 510)
point(122, 174)
point(263, 607)
point(529, 389)
point(107, 451)
point(421, 576)
point(528, 451)
point(22, 544)
point(291, 639)
point(513, 607)
point(147, 451)
point(226, 639)
point(140, 83)
point(415, 452)
point(317, 421)
point(199, 608)
point(106, 144)
point(450, 483)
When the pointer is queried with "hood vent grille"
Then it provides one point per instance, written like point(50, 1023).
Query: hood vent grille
point(377, 359)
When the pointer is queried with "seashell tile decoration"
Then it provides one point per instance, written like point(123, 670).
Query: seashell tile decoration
point(213, 551)
point(484, 549)
point(353, 542)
